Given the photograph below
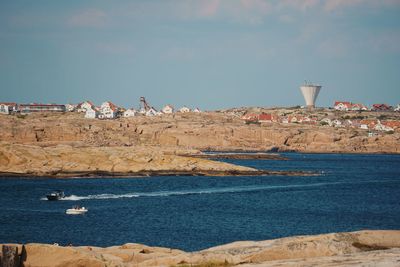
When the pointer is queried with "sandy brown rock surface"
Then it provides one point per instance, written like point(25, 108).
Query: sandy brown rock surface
point(204, 131)
point(363, 248)
point(67, 161)
point(64, 160)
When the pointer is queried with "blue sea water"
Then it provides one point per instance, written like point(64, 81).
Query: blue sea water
point(352, 192)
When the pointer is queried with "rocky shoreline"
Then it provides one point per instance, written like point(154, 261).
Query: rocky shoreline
point(157, 173)
point(238, 155)
point(362, 248)
point(18, 160)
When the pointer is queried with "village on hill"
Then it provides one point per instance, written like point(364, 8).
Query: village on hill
point(342, 114)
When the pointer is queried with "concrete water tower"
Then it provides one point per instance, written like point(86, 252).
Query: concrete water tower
point(310, 93)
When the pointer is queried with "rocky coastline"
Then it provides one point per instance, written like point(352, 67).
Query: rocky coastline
point(17, 160)
point(362, 248)
point(209, 131)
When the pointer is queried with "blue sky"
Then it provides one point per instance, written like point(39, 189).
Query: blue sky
point(207, 53)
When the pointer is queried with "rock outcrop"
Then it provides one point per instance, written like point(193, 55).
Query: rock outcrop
point(204, 131)
point(67, 161)
point(363, 248)
point(64, 160)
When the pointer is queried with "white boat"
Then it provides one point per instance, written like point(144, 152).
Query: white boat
point(76, 210)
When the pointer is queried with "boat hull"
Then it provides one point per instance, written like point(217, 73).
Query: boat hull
point(75, 211)
point(53, 198)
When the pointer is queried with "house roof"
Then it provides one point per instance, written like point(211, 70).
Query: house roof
point(41, 105)
point(113, 107)
point(345, 103)
point(265, 117)
point(250, 116)
point(8, 103)
point(89, 102)
point(367, 122)
point(358, 105)
point(391, 124)
point(381, 106)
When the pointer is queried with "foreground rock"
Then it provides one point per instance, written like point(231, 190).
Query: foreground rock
point(68, 161)
point(363, 248)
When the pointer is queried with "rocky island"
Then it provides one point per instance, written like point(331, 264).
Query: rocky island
point(363, 248)
point(69, 145)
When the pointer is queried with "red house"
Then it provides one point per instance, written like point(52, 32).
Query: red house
point(381, 107)
point(342, 105)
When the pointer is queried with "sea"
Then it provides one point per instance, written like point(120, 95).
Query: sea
point(350, 192)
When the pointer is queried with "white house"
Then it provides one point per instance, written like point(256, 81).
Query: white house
point(397, 108)
point(342, 106)
point(108, 110)
point(168, 109)
point(130, 113)
point(7, 108)
point(82, 107)
point(358, 107)
point(91, 113)
point(382, 127)
point(184, 109)
point(196, 110)
point(70, 107)
point(151, 112)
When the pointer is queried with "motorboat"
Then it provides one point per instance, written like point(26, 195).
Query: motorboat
point(76, 210)
point(56, 195)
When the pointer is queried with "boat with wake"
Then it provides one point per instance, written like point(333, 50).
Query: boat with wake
point(56, 195)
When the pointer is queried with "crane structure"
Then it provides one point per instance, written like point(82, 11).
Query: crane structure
point(143, 104)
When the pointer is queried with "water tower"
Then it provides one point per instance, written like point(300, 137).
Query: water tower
point(310, 93)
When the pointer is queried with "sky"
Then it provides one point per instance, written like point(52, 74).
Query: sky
point(210, 54)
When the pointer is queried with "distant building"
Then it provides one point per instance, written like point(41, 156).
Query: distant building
point(267, 117)
point(196, 110)
point(130, 113)
point(168, 109)
point(28, 108)
point(82, 107)
point(358, 107)
point(8, 107)
point(91, 112)
point(367, 124)
point(392, 124)
point(108, 110)
point(250, 117)
point(381, 107)
point(70, 107)
point(184, 109)
point(309, 120)
point(342, 106)
point(382, 127)
point(151, 112)
point(397, 108)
